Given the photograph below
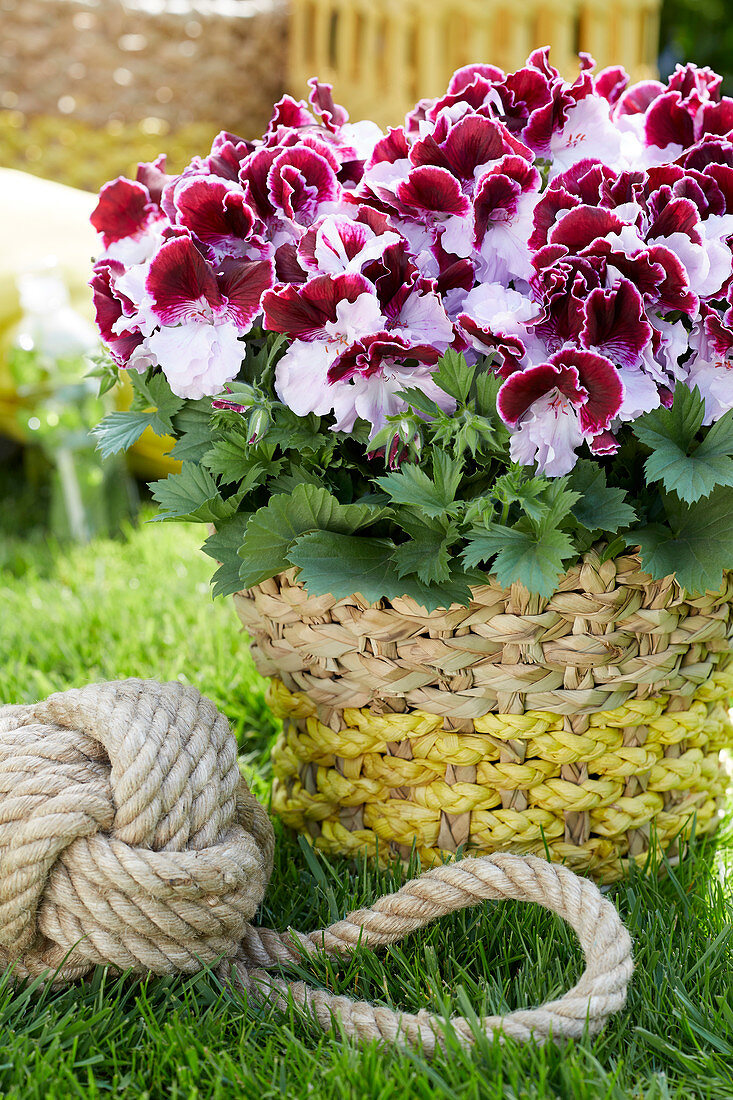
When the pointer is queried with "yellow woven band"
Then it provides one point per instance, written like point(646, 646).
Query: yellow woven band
point(634, 782)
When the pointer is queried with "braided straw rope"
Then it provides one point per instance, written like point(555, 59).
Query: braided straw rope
point(587, 726)
point(128, 837)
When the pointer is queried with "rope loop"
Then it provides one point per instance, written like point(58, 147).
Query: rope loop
point(128, 837)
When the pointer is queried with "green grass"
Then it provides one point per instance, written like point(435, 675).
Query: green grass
point(139, 606)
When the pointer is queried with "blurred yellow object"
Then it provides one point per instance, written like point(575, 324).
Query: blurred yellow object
point(45, 222)
point(382, 56)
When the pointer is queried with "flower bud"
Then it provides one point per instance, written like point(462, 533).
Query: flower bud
point(258, 424)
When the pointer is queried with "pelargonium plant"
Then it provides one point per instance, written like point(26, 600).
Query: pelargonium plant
point(479, 343)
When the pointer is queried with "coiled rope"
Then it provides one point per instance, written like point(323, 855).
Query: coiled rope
point(129, 837)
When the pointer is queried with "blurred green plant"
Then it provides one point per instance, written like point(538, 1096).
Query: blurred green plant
point(699, 31)
point(59, 403)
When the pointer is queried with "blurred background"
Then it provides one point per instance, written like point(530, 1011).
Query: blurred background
point(90, 87)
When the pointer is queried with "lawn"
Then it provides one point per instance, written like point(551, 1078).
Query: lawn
point(139, 606)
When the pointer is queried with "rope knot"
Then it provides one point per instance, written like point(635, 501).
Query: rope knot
point(127, 834)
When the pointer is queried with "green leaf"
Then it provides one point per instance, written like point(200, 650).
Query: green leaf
point(223, 546)
point(416, 399)
point(297, 475)
point(234, 460)
point(692, 472)
point(341, 565)
point(487, 385)
point(411, 485)
point(426, 552)
point(697, 546)
point(193, 427)
point(521, 553)
point(678, 424)
point(272, 529)
point(454, 376)
point(153, 395)
point(105, 369)
point(599, 508)
point(192, 494)
point(118, 431)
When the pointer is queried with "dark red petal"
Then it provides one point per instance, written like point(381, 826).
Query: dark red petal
point(708, 150)
point(253, 177)
point(583, 225)
point(243, 284)
point(611, 83)
point(366, 356)
point(719, 333)
point(289, 112)
point(467, 74)
point(717, 118)
point(108, 307)
point(228, 152)
point(615, 323)
point(605, 443)
point(153, 177)
point(213, 211)
point(674, 291)
point(124, 209)
point(676, 216)
point(302, 311)
point(639, 97)
point(299, 179)
point(524, 387)
point(602, 381)
point(287, 268)
point(690, 80)
point(178, 279)
point(668, 122)
point(552, 203)
point(391, 148)
point(433, 190)
point(496, 199)
point(331, 114)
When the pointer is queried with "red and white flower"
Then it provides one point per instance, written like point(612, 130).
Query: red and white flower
point(556, 406)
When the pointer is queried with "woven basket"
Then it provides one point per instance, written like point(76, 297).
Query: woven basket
point(587, 727)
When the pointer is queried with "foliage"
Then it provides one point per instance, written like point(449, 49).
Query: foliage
point(449, 507)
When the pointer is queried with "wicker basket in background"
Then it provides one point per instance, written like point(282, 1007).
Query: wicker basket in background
point(588, 726)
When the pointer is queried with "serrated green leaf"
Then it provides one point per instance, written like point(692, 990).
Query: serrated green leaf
point(411, 485)
point(599, 508)
point(289, 481)
point(416, 399)
point(154, 396)
point(222, 546)
point(454, 376)
point(487, 385)
point(520, 553)
point(692, 472)
point(234, 460)
point(272, 529)
point(697, 546)
point(341, 565)
point(678, 424)
point(192, 494)
point(118, 431)
point(193, 428)
point(426, 552)
point(105, 369)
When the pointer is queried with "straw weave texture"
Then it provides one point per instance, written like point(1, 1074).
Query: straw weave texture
point(587, 726)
